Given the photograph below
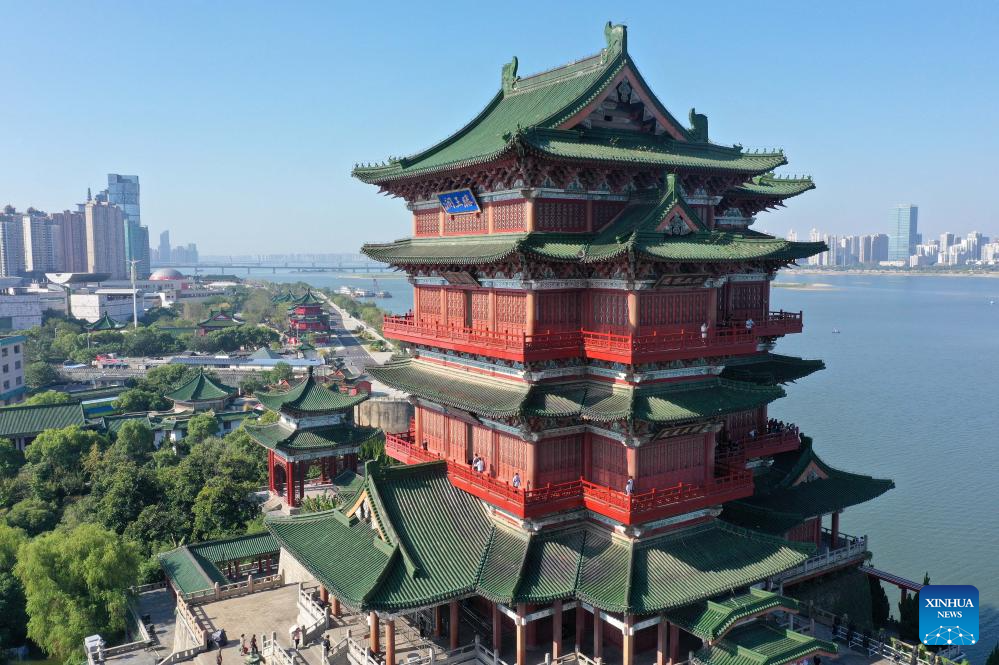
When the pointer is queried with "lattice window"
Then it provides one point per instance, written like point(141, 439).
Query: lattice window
point(428, 304)
point(609, 311)
point(482, 444)
point(749, 299)
point(687, 310)
point(480, 309)
point(432, 425)
point(512, 458)
point(427, 222)
point(511, 315)
point(559, 460)
point(668, 455)
point(455, 308)
point(560, 215)
point(457, 440)
point(610, 462)
point(558, 310)
point(738, 425)
point(470, 223)
point(604, 212)
point(508, 216)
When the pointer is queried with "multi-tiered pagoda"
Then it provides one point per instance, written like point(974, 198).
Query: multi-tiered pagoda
point(308, 319)
point(589, 357)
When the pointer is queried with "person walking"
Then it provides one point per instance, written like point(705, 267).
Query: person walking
point(218, 657)
point(297, 636)
point(749, 324)
point(242, 644)
point(326, 648)
point(253, 644)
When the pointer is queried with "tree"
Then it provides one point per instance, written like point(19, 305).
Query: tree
point(13, 623)
point(222, 508)
point(201, 426)
point(74, 584)
point(122, 492)
point(39, 374)
point(282, 372)
point(908, 615)
point(135, 400)
point(134, 441)
point(54, 461)
point(993, 658)
point(11, 459)
point(880, 607)
point(34, 516)
point(148, 341)
point(47, 397)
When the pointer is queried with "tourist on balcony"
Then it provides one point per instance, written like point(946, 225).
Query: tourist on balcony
point(752, 433)
point(516, 480)
point(749, 324)
point(478, 463)
point(704, 330)
point(629, 487)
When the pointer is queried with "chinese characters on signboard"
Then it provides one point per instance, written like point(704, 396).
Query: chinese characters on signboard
point(458, 202)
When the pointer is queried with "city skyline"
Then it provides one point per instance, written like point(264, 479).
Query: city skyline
point(223, 170)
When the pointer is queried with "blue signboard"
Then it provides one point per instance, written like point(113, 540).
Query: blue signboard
point(458, 202)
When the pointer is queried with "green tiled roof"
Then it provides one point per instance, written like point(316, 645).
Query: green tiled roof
point(348, 485)
point(277, 436)
point(235, 549)
point(770, 368)
point(710, 619)
point(190, 572)
point(307, 299)
point(441, 544)
point(759, 644)
point(453, 387)
point(113, 423)
point(528, 113)
point(104, 323)
point(16, 421)
point(770, 186)
point(671, 402)
point(219, 319)
point(778, 504)
point(458, 249)
point(201, 388)
point(266, 353)
point(310, 396)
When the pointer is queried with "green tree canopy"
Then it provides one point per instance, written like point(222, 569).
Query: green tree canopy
point(222, 508)
point(48, 397)
point(134, 441)
point(135, 400)
point(13, 620)
point(201, 426)
point(54, 461)
point(33, 515)
point(74, 584)
point(122, 491)
point(11, 459)
point(40, 374)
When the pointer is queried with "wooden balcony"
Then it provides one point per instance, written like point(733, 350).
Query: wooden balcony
point(617, 505)
point(505, 345)
point(779, 323)
point(670, 345)
point(764, 445)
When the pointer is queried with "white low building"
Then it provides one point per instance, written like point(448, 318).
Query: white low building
point(19, 309)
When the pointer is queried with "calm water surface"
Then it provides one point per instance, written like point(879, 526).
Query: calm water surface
point(908, 393)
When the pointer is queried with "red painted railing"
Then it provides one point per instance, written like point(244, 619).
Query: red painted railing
point(773, 443)
point(779, 323)
point(667, 345)
point(628, 509)
point(507, 345)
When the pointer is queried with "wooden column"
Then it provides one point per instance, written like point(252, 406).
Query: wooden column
point(438, 621)
point(497, 629)
point(390, 641)
point(335, 606)
point(587, 456)
point(633, 312)
point(580, 625)
point(661, 655)
point(628, 641)
point(373, 636)
point(598, 634)
point(530, 465)
point(521, 636)
point(556, 629)
point(712, 314)
point(454, 625)
point(289, 484)
point(530, 216)
point(674, 643)
point(530, 313)
point(589, 215)
point(834, 531)
point(490, 223)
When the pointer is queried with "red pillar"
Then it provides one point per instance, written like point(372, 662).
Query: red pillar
point(373, 636)
point(580, 625)
point(497, 629)
point(598, 634)
point(390, 642)
point(557, 629)
point(628, 640)
point(454, 625)
point(521, 636)
point(661, 655)
point(674, 644)
point(335, 606)
point(834, 531)
point(438, 629)
point(289, 484)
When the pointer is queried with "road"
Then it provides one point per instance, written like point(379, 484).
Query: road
point(355, 356)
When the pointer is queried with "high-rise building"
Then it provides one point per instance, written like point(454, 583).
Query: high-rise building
point(902, 236)
point(11, 243)
point(879, 247)
point(164, 256)
point(41, 243)
point(123, 191)
point(105, 228)
point(71, 240)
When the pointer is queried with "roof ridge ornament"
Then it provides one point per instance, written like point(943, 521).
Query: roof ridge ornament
point(617, 39)
point(509, 77)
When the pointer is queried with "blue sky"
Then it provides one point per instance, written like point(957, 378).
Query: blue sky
point(243, 120)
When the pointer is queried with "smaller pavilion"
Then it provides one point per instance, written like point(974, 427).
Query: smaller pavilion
point(217, 320)
point(315, 428)
point(201, 393)
point(306, 317)
point(104, 323)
